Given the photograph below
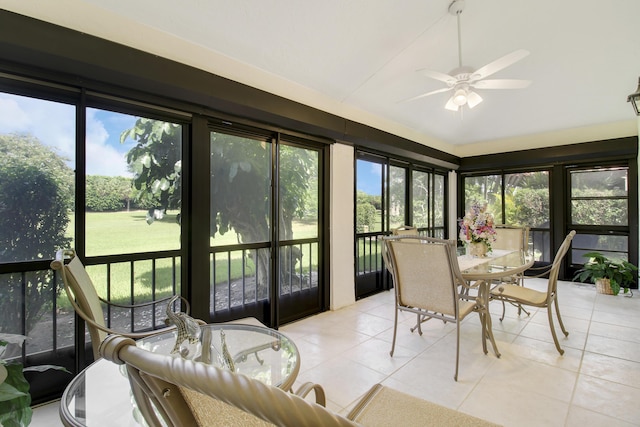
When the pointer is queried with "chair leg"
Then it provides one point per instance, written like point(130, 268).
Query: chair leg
point(564, 331)
point(553, 330)
point(419, 325)
point(504, 309)
point(395, 331)
point(455, 377)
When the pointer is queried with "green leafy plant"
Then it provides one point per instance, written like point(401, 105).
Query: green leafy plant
point(621, 274)
point(15, 400)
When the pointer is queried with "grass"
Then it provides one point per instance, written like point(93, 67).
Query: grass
point(111, 233)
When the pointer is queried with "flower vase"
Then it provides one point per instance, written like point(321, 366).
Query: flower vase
point(478, 249)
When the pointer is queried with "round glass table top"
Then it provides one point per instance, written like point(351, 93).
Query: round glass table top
point(101, 395)
point(261, 353)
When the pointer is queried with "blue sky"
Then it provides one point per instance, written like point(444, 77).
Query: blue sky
point(53, 124)
point(368, 177)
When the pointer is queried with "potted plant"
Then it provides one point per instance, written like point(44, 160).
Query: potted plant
point(609, 276)
point(15, 400)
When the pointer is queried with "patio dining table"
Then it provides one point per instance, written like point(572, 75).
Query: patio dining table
point(494, 266)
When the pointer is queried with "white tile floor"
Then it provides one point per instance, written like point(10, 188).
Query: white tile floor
point(595, 383)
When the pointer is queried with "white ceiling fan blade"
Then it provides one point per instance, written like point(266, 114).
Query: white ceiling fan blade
point(451, 106)
point(501, 84)
point(446, 89)
point(499, 64)
point(473, 99)
point(438, 76)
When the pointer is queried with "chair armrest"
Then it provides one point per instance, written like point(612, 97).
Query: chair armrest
point(307, 387)
point(545, 269)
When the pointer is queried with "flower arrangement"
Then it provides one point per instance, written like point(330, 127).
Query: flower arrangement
point(477, 225)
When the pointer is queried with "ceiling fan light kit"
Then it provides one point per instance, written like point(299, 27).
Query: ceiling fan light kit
point(463, 80)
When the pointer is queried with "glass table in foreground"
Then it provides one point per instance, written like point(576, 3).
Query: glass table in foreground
point(100, 395)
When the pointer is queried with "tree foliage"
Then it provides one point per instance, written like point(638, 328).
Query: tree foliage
point(156, 162)
point(367, 206)
point(36, 193)
point(240, 181)
point(108, 193)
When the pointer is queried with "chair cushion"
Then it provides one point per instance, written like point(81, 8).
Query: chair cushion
point(520, 293)
point(210, 412)
point(387, 407)
point(465, 307)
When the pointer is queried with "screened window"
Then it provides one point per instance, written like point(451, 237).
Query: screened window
point(133, 180)
point(421, 201)
point(599, 197)
point(519, 199)
point(600, 211)
point(397, 196)
point(369, 189)
point(37, 147)
point(37, 163)
point(484, 189)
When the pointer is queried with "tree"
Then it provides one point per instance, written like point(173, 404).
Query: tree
point(367, 208)
point(36, 193)
point(156, 162)
point(107, 193)
point(240, 181)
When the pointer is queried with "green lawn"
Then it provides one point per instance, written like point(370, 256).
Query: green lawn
point(111, 233)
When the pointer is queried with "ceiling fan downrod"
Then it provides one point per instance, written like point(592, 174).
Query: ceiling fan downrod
point(455, 8)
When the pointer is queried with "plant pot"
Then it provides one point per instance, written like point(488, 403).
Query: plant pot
point(603, 286)
point(478, 249)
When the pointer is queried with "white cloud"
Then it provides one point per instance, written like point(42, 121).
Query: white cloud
point(105, 160)
point(53, 123)
point(102, 158)
point(13, 119)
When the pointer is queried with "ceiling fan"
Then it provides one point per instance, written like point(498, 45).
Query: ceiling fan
point(463, 80)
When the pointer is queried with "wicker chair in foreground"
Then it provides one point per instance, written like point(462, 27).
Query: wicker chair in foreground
point(188, 393)
point(88, 304)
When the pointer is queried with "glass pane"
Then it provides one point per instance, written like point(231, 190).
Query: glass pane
point(599, 183)
point(133, 181)
point(235, 276)
point(438, 202)
point(240, 190)
point(611, 246)
point(369, 254)
point(397, 196)
point(299, 192)
point(527, 199)
point(599, 212)
point(369, 196)
point(484, 189)
point(298, 268)
point(540, 241)
point(599, 197)
point(420, 208)
point(37, 148)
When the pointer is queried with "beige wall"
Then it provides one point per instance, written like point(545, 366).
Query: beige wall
point(342, 280)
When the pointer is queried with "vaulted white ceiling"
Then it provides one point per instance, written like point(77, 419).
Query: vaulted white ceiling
point(359, 58)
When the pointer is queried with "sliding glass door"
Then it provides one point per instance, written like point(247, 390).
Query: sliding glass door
point(265, 221)
point(389, 194)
